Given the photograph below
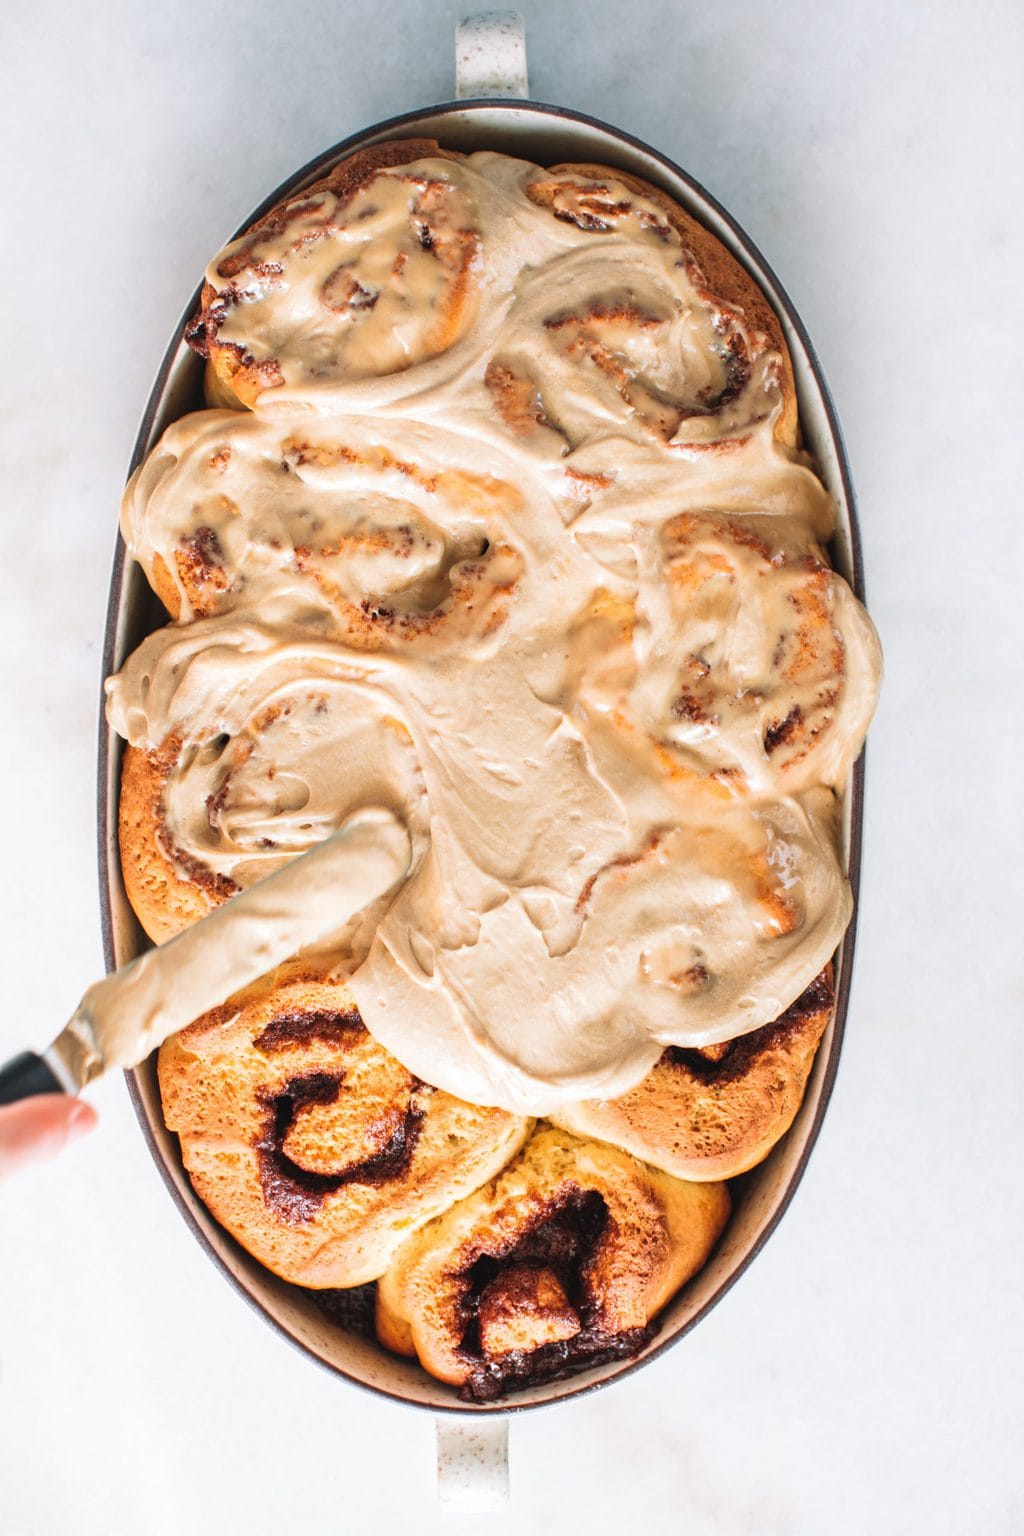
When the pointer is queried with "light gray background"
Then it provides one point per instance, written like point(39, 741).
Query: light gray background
point(866, 1373)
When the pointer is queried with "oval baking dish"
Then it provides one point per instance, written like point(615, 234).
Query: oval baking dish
point(545, 135)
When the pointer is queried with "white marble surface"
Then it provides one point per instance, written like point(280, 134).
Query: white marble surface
point(866, 1374)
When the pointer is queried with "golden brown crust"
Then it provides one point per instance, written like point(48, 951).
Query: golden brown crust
point(217, 391)
point(394, 1332)
point(162, 582)
point(308, 1141)
point(715, 1114)
point(233, 379)
point(561, 1262)
point(725, 279)
point(165, 895)
point(200, 571)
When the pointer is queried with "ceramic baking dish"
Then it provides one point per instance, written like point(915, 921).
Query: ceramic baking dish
point(546, 135)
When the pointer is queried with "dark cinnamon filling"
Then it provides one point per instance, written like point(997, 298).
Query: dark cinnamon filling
point(732, 1059)
point(287, 1029)
point(737, 376)
point(780, 732)
point(295, 1194)
point(560, 1249)
point(216, 885)
point(518, 1370)
point(209, 551)
point(196, 335)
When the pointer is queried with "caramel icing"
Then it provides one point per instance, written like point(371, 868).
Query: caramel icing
point(515, 594)
point(129, 1013)
point(391, 262)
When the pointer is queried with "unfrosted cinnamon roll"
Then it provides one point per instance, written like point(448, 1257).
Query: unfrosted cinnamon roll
point(561, 1263)
point(714, 1112)
point(364, 273)
point(379, 526)
point(311, 1144)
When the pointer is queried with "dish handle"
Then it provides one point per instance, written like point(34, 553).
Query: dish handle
point(490, 55)
point(472, 1461)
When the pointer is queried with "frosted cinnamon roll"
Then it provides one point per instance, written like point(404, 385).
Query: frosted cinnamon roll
point(646, 321)
point(377, 525)
point(562, 1263)
point(366, 272)
point(581, 298)
point(715, 1111)
point(312, 1145)
point(245, 749)
point(708, 931)
point(743, 657)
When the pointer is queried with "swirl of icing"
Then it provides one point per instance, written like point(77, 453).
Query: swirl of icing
point(743, 657)
point(504, 590)
point(372, 531)
point(246, 750)
point(704, 933)
point(594, 341)
point(362, 274)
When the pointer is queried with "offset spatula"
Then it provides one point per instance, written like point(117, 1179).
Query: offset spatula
point(126, 1015)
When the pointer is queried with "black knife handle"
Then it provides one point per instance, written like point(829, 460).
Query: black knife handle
point(24, 1076)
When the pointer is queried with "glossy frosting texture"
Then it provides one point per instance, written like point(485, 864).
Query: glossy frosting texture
point(392, 263)
point(555, 595)
point(129, 1013)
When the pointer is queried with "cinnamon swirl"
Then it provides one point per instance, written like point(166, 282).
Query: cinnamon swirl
point(311, 1144)
point(682, 347)
point(247, 752)
point(715, 1112)
point(743, 658)
point(368, 271)
point(561, 1263)
point(371, 529)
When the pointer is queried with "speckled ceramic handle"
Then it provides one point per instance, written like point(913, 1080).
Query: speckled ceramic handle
point(472, 1462)
point(490, 55)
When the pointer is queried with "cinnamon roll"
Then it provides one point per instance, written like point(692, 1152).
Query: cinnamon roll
point(743, 657)
point(647, 320)
point(706, 932)
point(563, 1262)
point(366, 272)
point(244, 750)
point(374, 530)
point(714, 1112)
point(312, 1145)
